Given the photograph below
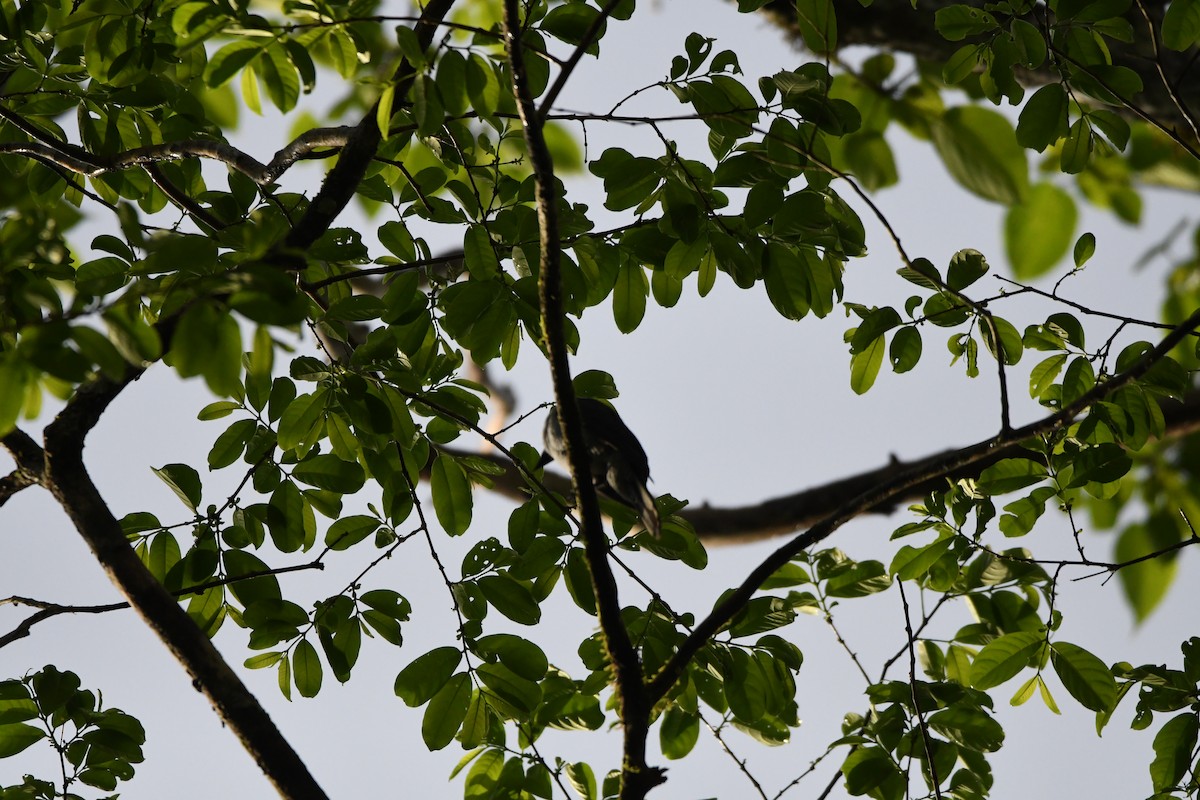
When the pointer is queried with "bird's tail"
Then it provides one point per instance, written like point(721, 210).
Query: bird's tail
point(649, 512)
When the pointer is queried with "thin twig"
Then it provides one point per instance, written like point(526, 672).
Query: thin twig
point(912, 685)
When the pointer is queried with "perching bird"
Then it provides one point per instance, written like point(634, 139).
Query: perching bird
point(618, 463)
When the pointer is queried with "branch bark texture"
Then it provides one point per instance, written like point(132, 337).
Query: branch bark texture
point(637, 778)
point(909, 28)
point(68, 481)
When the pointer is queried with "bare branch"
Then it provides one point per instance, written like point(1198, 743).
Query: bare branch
point(930, 764)
point(81, 162)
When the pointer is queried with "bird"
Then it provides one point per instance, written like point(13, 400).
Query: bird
point(617, 462)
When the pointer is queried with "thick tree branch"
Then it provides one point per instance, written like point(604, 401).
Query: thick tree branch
point(1169, 78)
point(780, 516)
point(72, 486)
point(637, 778)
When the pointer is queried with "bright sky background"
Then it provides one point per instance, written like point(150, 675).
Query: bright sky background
point(733, 404)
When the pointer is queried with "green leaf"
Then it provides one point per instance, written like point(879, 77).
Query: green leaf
point(1145, 583)
point(520, 655)
point(1078, 380)
point(279, 77)
point(326, 471)
point(1181, 25)
point(579, 580)
point(250, 590)
point(511, 598)
point(420, 681)
point(1042, 376)
point(966, 267)
point(957, 22)
point(582, 779)
point(446, 711)
point(226, 62)
point(629, 296)
point(16, 736)
point(349, 531)
point(861, 579)
point(679, 732)
point(912, 563)
point(1084, 675)
point(596, 384)
point(230, 445)
point(184, 481)
point(452, 498)
point(980, 150)
point(1010, 339)
point(306, 668)
point(628, 181)
point(1077, 149)
point(969, 727)
point(521, 695)
point(1038, 230)
point(1173, 747)
point(208, 342)
point(571, 23)
point(102, 275)
point(877, 322)
point(1085, 248)
point(905, 350)
point(1004, 657)
point(162, 555)
point(746, 687)
point(864, 366)
point(785, 277)
point(479, 254)
point(867, 768)
point(818, 25)
point(1011, 474)
point(1043, 120)
point(15, 377)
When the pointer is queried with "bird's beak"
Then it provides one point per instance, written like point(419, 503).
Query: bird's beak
point(544, 460)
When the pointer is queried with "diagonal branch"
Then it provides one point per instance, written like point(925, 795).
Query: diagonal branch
point(661, 683)
point(30, 463)
point(564, 74)
point(361, 145)
point(637, 778)
point(67, 479)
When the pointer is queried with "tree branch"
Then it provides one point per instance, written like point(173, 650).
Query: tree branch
point(887, 492)
point(564, 74)
point(909, 28)
point(30, 461)
point(49, 610)
point(780, 516)
point(637, 778)
point(76, 159)
point(68, 480)
point(361, 145)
